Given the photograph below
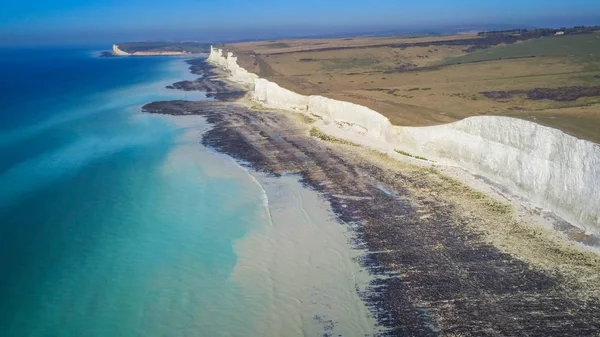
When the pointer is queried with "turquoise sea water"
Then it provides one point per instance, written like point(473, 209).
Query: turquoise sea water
point(112, 222)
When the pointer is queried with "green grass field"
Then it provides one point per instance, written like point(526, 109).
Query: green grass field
point(583, 48)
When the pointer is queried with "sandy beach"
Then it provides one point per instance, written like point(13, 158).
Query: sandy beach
point(305, 258)
point(442, 257)
point(299, 269)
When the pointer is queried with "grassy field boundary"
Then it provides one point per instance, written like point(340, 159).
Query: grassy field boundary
point(583, 47)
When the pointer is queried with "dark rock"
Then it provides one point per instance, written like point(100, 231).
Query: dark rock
point(209, 82)
point(432, 275)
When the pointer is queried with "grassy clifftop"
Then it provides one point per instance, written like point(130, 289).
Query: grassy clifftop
point(582, 48)
point(552, 80)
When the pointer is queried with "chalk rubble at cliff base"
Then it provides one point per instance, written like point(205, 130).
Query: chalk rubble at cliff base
point(553, 170)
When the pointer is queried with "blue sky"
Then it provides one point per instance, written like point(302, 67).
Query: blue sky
point(104, 20)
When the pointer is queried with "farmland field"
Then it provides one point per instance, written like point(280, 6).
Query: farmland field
point(435, 80)
point(583, 48)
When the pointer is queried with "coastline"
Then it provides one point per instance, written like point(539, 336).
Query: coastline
point(144, 247)
point(116, 51)
point(441, 264)
point(297, 270)
point(533, 161)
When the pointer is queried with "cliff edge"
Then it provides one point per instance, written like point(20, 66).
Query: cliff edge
point(552, 169)
point(117, 51)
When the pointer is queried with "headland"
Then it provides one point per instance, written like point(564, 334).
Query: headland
point(556, 172)
point(157, 49)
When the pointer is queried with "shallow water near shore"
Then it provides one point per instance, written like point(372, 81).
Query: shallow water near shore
point(117, 223)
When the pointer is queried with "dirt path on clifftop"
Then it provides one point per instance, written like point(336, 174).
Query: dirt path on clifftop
point(447, 260)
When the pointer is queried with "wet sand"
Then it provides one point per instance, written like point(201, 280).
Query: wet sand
point(443, 259)
point(304, 258)
point(298, 272)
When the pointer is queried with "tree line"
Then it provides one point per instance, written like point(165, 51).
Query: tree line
point(524, 34)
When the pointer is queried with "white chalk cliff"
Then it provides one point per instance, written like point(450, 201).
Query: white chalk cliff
point(119, 52)
point(238, 74)
point(553, 170)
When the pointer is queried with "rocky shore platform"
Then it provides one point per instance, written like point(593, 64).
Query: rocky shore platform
point(209, 82)
point(446, 260)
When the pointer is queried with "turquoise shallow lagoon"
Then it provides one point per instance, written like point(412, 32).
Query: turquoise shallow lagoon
point(117, 223)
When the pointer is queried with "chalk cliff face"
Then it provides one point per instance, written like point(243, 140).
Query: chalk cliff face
point(275, 96)
point(229, 63)
point(361, 118)
point(552, 169)
point(356, 117)
point(119, 52)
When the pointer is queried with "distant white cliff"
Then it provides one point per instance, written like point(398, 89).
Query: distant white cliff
point(554, 170)
point(119, 52)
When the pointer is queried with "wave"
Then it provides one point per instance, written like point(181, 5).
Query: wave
point(265, 197)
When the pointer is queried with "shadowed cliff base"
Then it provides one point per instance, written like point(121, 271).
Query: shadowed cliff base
point(448, 260)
